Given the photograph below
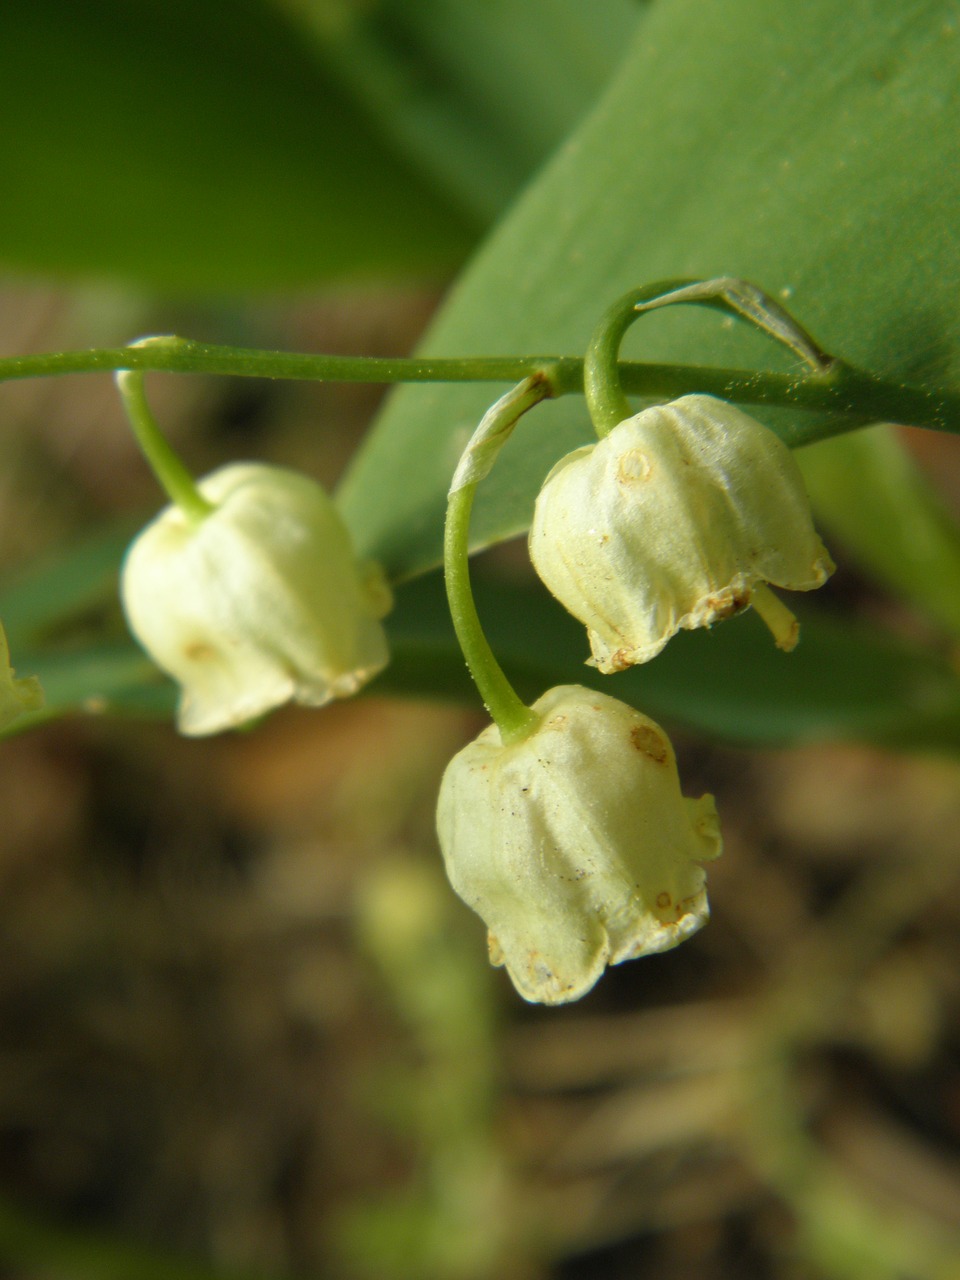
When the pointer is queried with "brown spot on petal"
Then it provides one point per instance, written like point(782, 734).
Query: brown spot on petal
point(646, 740)
point(633, 467)
point(199, 651)
point(663, 900)
point(494, 951)
point(727, 603)
point(620, 660)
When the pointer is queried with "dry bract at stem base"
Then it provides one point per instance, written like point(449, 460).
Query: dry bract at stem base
point(575, 845)
point(17, 695)
point(261, 602)
point(675, 520)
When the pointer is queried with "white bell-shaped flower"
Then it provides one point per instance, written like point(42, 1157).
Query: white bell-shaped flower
point(261, 602)
point(17, 695)
point(676, 519)
point(575, 844)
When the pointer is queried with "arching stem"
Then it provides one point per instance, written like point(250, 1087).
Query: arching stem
point(512, 716)
point(173, 477)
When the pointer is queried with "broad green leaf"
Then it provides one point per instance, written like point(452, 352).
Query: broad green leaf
point(871, 496)
point(815, 157)
point(475, 93)
point(199, 147)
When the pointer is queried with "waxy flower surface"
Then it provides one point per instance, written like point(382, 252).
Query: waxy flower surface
point(259, 603)
point(575, 844)
point(675, 520)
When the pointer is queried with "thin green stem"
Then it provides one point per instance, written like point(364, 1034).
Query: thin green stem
point(843, 398)
point(602, 383)
point(181, 355)
point(512, 716)
point(174, 478)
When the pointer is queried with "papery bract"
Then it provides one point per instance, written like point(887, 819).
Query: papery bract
point(17, 695)
point(672, 521)
point(575, 844)
point(261, 602)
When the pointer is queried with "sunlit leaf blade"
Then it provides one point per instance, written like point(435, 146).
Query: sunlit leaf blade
point(199, 147)
point(815, 157)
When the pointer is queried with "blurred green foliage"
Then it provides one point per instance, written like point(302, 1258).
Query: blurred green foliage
point(251, 146)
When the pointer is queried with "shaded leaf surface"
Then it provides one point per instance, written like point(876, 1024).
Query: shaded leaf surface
point(844, 681)
point(872, 497)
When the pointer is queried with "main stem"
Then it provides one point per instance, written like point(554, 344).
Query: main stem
point(847, 399)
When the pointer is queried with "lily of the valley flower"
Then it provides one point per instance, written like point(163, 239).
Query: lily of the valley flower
point(260, 602)
point(575, 844)
point(16, 695)
point(676, 519)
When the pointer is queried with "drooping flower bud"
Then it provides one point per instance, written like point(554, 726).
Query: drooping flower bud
point(16, 695)
point(676, 519)
point(259, 603)
point(575, 844)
